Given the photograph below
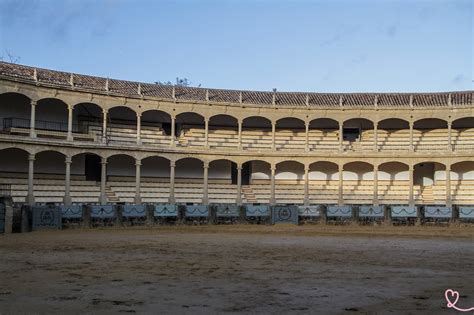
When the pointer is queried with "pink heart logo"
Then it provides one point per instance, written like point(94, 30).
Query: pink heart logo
point(452, 297)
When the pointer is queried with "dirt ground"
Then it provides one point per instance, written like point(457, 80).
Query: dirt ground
point(237, 269)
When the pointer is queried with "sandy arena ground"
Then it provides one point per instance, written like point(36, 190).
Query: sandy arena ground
point(237, 269)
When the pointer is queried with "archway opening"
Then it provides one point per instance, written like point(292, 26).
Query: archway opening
point(393, 134)
point(223, 131)
point(15, 113)
point(256, 182)
point(358, 185)
point(323, 182)
point(289, 183)
point(462, 134)
point(122, 125)
point(393, 183)
point(190, 129)
point(256, 133)
point(323, 134)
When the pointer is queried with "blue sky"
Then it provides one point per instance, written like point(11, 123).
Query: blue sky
point(322, 46)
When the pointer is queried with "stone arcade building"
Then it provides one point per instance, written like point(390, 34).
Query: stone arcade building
point(77, 139)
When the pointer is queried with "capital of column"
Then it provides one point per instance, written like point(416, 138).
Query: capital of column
point(103, 161)
point(306, 168)
point(31, 157)
point(70, 108)
point(239, 167)
point(105, 111)
point(138, 162)
point(273, 168)
point(33, 103)
point(68, 160)
point(172, 163)
point(448, 168)
point(139, 115)
point(411, 167)
point(205, 165)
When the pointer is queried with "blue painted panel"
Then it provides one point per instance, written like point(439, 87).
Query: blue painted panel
point(403, 212)
point(466, 212)
point(308, 211)
point(45, 217)
point(2, 218)
point(133, 211)
point(438, 212)
point(197, 211)
point(285, 214)
point(71, 212)
point(257, 211)
point(339, 211)
point(102, 212)
point(371, 211)
point(166, 210)
point(227, 210)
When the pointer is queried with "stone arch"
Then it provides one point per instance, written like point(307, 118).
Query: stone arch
point(17, 116)
point(51, 114)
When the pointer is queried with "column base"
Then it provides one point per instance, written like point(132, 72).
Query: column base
point(33, 135)
point(67, 201)
point(137, 200)
point(103, 200)
point(70, 138)
point(30, 199)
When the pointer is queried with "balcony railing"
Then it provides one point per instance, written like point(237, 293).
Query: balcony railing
point(14, 122)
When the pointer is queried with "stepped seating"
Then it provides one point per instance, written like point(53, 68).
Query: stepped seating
point(49, 188)
point(128, 133)
point(187, 190)
point(462, 192)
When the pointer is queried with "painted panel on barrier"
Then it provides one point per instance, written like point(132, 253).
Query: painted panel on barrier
point(285, 214)
point(339, 211)
point(71, 212)
point(2, 218)
point(44, 217)
point(133, 211)
point(308, 211)
point(438, 212)
point(102, 212)
point(466, 212)
point(257, 211)
point(197, 211)
point(166, 210)
point(403, 212)
point(371, 211)
point(227, 210)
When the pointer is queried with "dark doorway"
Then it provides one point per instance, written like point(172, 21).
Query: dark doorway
point(351, 134)
point(246, 171)
point(93, 167)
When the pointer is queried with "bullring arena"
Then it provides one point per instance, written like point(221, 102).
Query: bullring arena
point(232, 194)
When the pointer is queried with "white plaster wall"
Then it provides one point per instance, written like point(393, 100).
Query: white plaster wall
point(323, 171)
point(260, 170)
point(289, 170)
point(393, 171)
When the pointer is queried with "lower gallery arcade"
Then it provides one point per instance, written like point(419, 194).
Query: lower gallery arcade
point(51, 177)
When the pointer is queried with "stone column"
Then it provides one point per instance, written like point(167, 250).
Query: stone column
point(306, 141)
point(30, 198)
point(103, 180)
point(448, 186)
point(171, 199)
point(341, 136)
point(69, 123)
point(33, 119)
point(340, 199)
point(239, 185)
point(206, 132)
point(272, 185)
point(67, 182)
point(376, 147)
point(273, 135)
point(411, 198)
point(376, 185)
point(205, 198)
point(306, 185)
point(173, 131)
point(240, 133)
point(139, 128)
point(412, 147)
point(138, 198)
point(104, 126)
point(450, 145)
